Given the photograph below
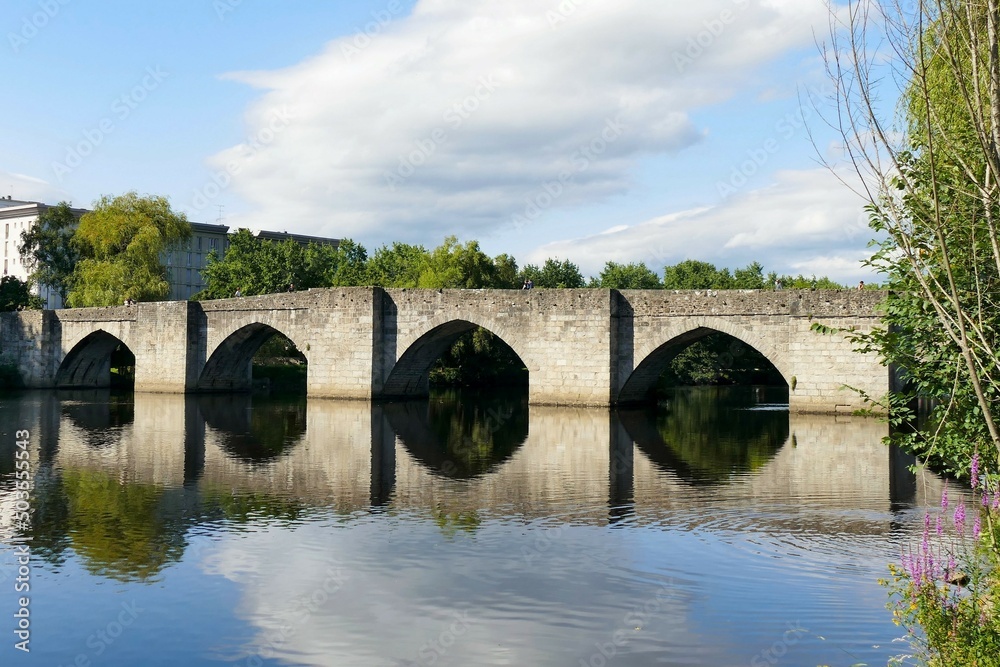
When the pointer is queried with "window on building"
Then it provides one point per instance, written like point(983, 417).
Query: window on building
point(189, 259)
point(189, 276)
point(6, 231)
point(199, 244)
point(212, 244)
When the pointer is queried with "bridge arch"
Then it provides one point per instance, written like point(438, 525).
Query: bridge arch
point(230, 364)
point(88, 363)
point(409, 376)
point(654, 354)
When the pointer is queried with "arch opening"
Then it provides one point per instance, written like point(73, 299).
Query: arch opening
point(254, 357)
point(100, 360)
point(702, 356)
point(458, 353)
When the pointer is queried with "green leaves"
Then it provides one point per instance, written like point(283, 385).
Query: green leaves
point(627, 276)
point(47, 248)
point(15, 294)
point(120, 242)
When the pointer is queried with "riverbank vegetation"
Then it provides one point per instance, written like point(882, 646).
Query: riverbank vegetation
point(930, 171)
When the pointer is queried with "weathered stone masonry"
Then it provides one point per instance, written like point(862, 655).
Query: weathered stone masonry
point(581, 347)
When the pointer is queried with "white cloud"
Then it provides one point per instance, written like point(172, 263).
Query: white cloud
point(455, 117)
point(29, 188)
point(805, 222)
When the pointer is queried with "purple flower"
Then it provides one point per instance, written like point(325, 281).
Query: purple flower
point(974, 470)
point(996, 501)
point(944, 498)
point(940, 526)
point(976, 528)
point(985, 500)
point(960, 518)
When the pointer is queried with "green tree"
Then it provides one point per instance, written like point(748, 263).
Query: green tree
point(693, 274)
point(554, 274)
point(48, 250)
point(122, 240)
point(750, 277)
point(454, 265)
point(398, 265)
point(15, 294)
point(933, 190)
point(251, 266)
point(506, 276)
point(627, 276)
point(349, 267)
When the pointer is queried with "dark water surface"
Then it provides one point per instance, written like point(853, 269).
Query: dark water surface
point(715, 530)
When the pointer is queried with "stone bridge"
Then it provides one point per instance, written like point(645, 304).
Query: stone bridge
point(580, 346)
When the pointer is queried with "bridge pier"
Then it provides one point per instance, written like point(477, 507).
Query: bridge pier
point(581, 347)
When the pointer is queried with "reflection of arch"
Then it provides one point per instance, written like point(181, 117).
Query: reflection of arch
point(641, 382)
point(255, 431)
point(230, 366)
point(88, 364)
point(708, 434)
point(461, 438)
point(410, 374)
point(99, 414)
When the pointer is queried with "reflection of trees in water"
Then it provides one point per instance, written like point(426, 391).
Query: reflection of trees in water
point(125, 531)
point(452, 523)
point(708, 434)
point(255, 429)
point(240, 507)
point(461, 434)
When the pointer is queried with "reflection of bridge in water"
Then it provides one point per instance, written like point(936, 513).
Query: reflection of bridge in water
point(351, 456)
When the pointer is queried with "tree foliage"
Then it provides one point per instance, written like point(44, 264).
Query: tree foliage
point(627, 276)
point(253, 266)
point(932, 190)
point(455, 265)
point(121, 241)
point(48, 250)
point(398, 265)
point(554, 273)
point(15, 294)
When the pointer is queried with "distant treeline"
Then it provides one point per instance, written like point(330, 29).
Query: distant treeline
point(252, 266)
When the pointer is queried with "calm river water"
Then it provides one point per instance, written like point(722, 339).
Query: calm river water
point(715, 530)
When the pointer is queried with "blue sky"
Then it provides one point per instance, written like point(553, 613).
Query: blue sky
point(591, 130)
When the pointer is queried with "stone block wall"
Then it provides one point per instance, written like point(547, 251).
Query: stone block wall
point(581, 347)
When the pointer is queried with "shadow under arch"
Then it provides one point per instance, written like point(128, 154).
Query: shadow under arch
point(460, 436)
point(88, 364)
point(640, 387)
point(230, 368)
point(410, 375)
point(707, 434)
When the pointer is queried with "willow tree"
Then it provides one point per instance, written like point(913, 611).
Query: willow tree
point(123, 240)
point(930, 173)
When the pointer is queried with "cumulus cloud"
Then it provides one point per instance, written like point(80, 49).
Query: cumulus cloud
point(465, 114)
point(804, 222)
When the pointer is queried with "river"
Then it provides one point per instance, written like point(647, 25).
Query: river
point(716, 529)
